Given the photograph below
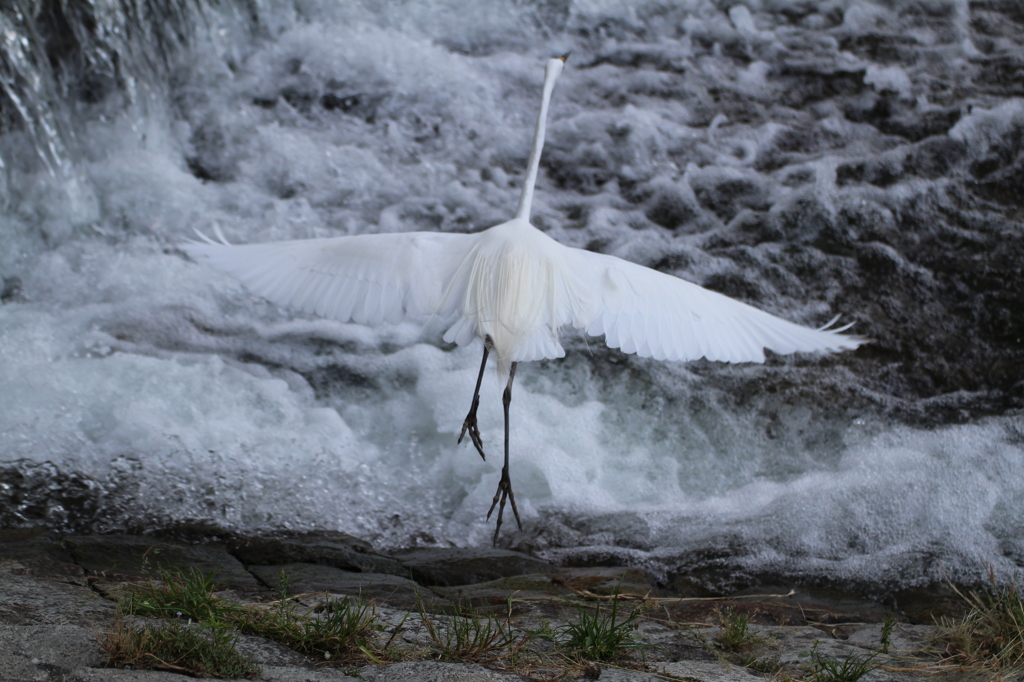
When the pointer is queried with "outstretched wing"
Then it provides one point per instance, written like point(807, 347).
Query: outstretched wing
point(646, 312)
point(369, 278)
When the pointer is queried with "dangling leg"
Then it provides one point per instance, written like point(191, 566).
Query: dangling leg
point(505, 484)
point(470, 423)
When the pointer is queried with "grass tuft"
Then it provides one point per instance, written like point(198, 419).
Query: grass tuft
point(178, 594)
point(177, 647)
point(989, 639)
point(598, 636)
point(887, 627)
point(343, 631)
point(467, 636)
point(735, 634)
point(828, 669)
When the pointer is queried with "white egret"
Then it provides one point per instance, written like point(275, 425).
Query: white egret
point(513, 287)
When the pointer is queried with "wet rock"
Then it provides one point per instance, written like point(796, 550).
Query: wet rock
point(497, 592)
point(384, 588)
point(38, 552)
point(777, 605)
point(329, 548)
point(608, 580)
point(440, 566)
point(927, 605)
point(119, 557)
point(40, 493)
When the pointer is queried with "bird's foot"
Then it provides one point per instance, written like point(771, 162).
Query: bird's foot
point(474, 431)
point(504, 492)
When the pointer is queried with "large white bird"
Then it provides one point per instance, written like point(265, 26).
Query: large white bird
point(515, 288)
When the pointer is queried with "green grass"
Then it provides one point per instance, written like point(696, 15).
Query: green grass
point(177, 647)
point(343, 631)
point(602, 635)
point(735, 634)
point(178, 594)
point(340, 630)
point(830, 669)
point(887, 627)
point(989, 638)
point(465, 635)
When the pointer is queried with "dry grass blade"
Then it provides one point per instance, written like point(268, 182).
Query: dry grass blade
point(468, 636)
point(174, 646)
point(342, 632)
point(989, 638)
point(735, 634)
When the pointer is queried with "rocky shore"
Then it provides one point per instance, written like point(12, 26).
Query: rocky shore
point(59, 595)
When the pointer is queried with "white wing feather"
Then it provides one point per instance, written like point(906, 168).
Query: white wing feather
point(369, 279)
point(652, 314)
point(419, 276)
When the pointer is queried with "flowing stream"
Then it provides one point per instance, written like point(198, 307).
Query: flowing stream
point(812, 159)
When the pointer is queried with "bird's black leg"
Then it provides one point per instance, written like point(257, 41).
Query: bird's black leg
point(470, 423)
point(505, 484)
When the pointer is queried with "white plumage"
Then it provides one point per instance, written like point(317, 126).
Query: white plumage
point(515, 288)
point(516, 285)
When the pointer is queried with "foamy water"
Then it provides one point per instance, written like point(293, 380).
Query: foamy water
point(184, 399)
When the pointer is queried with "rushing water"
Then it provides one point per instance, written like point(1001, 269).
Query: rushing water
point(810, 158)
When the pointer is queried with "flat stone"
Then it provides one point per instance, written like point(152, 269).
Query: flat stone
point(267, 652)
point(777, 605)
point(668, 644)
point(452, 566)
point(125, 557)
point(707, 671)
point(608, 580)
point(928, 604)
point(794, 643)
point(393, 590)
point(433, 671)
point(329, 548)
point(39, 552)
point(26, 599)
point(282, 674)
point(122, 675)
point(536, 586)
point(44, 652)
point(904, 638)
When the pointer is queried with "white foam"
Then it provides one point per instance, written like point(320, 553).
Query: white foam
point(229, 410)
point(983, 128)
point(889, 79)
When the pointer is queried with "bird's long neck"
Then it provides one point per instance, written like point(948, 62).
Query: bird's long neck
point(551, 73)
